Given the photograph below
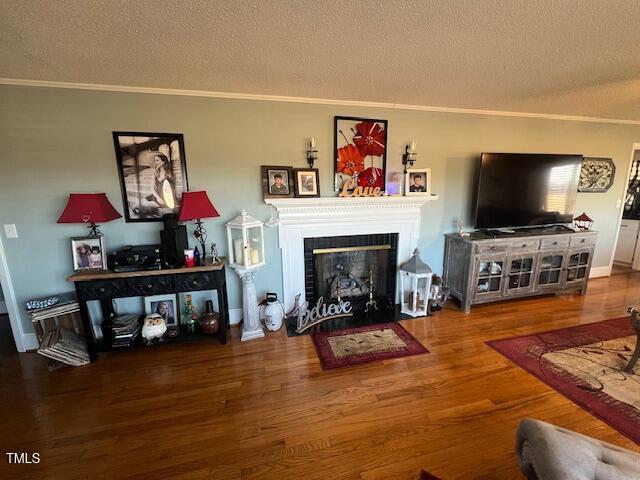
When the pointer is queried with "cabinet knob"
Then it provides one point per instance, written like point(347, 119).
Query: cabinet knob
point(524, 245)
point(149, 286)
point(493, 248)
point(555, 243)
point(102, 289)
point(194, 283)
point(582, 240)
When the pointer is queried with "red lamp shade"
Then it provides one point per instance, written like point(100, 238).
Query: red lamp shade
point(88, 208)
point(196, 205)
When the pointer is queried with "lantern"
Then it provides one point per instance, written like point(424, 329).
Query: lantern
point(415, 286)
point(583, 222)
point(245, 236)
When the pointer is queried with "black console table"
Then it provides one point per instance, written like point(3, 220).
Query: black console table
point(107, 285)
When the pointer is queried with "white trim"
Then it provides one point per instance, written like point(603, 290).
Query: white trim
point(30, 341)
point(19, 336)
point(3, 307)
point(636, 263)
point(283, 98)
point(598, 272)
point(333, 216)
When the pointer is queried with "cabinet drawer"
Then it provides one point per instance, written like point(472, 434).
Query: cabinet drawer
point(525, 245)
point(193, 281)
point(103, 289)
point(554, 242)
point(582, 241)
point(492, 247)
point(152, 285)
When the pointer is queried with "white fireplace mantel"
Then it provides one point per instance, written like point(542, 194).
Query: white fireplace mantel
point(301, 218)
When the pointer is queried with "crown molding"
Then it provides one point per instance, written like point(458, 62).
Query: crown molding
point(318, 101)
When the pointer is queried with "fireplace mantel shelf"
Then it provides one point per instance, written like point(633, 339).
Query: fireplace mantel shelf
point(347, 203)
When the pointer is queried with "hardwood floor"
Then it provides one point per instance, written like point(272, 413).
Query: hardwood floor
point(266, 410)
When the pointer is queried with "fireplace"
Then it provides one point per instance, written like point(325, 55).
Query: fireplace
point(356, 268)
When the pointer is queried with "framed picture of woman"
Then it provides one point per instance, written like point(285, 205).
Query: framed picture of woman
point(164, 305)
point(153, 174)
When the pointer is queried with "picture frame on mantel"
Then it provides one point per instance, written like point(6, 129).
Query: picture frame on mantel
point(360, 152)
point(417, 182)
point(307, 182)
point(277, 181)
point(153, 174)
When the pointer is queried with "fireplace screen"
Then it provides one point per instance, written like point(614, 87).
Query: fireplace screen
point(351, 272)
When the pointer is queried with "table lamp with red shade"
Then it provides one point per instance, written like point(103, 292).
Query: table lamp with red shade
point(89, 208)
point(196, 206)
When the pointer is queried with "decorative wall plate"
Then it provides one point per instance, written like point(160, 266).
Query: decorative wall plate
point(596, 174)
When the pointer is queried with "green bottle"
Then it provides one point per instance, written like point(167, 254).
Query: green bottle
point(186, 316)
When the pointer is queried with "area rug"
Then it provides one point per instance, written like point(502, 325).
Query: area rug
point(585, 364)
point(354, 346)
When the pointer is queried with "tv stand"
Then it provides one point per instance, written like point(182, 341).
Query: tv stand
point(483, 267)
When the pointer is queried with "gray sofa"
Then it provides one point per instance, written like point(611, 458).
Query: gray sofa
point(547, 452)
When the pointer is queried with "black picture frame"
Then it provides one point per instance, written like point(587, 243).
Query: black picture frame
point(338, 139)
point(266, 183)
point(141, 200)
point(299, 191)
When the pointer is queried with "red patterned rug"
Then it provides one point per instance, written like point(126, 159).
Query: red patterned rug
point(585, 364)
point(424, 475)
point(353, 346)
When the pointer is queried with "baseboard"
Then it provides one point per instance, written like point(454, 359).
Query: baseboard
point(30, 341)
point(3, 307)
point(597, 272)
point(235, 316)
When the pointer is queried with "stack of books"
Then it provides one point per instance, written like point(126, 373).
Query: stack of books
point(125, 329)
point(65, 347)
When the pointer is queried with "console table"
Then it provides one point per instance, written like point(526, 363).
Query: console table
point(482, 268)
point(107, 285)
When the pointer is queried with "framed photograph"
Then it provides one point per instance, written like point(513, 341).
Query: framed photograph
point(277, 182)
point(153, 174)
point(164, 305)
point(307, 182)
point(88, 254)
point(360, 146)
point(418, 181)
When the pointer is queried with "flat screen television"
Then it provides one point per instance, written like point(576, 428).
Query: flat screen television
point(526, 190)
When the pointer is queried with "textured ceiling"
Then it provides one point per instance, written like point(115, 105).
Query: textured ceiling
point(567, 57)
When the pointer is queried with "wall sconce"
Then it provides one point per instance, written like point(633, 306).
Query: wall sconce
point(409, 156)
point(312, 153)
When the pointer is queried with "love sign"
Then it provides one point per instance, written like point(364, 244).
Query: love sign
point(359, 191)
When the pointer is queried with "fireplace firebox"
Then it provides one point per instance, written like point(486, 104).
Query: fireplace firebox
point(357, 268)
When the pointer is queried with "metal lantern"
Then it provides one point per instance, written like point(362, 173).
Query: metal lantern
point(583, 222)
point(415, 286)
point(245, 236)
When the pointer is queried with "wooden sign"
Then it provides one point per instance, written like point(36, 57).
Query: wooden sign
point(359, 191)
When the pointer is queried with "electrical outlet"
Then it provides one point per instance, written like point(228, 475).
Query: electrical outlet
point(10, 231)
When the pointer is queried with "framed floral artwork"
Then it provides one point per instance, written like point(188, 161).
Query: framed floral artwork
point(596, 175)
point(360, 146)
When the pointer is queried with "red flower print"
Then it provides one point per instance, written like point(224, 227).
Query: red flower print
point(371, 177)
point(350, 160)
point(369, 138)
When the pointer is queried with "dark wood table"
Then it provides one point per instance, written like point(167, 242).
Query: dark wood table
point(104, 286)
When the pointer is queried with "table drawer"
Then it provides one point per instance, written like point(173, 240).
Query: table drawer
point(525, 245)
point(193, 281)
point(152, 285)
point(554, 242)
point(582, 241)
point(103, 289)
point(492, 247)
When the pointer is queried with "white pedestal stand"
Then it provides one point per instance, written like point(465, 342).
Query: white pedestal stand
point(251, 326)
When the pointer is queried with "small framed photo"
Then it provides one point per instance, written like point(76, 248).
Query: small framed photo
point(88, 254)
point(277, 182)
point(164, 305)
point(418, 181)
point(307, 182)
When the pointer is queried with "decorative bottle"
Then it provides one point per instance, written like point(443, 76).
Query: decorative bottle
point(186, 317)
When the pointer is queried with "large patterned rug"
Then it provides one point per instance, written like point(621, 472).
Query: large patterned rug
point(353, 346)
point(585, 364)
